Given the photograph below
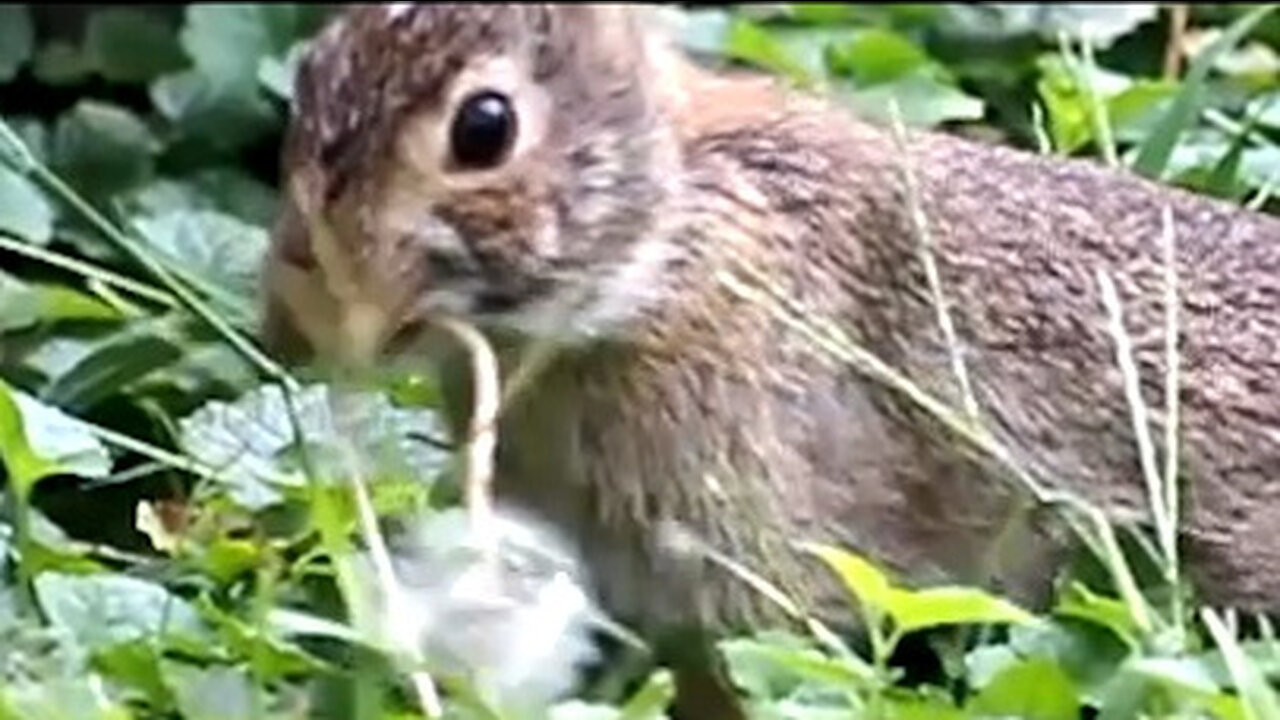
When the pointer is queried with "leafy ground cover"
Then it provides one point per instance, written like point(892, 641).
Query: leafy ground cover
point(169, 552)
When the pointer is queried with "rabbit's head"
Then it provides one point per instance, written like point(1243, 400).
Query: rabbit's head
point(507, 164)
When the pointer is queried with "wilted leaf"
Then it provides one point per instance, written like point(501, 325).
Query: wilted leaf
point(17, 39)
point(106, 609)
point(129, 45)
point(1032, 690)
point(251, 440)
point(24, 210)
point(914, 610)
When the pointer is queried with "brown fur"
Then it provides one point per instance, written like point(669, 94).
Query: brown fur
point(707, 411)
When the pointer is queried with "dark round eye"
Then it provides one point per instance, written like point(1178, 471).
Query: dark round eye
point(483, 130)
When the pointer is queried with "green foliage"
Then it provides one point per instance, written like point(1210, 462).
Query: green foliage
point(135, 205)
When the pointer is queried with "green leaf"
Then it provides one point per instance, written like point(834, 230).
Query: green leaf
point(251, 440)
point(651, 701)
point(111, 367)
point(24, 210)
point(103, 149)
point(755, 44)
point(216, 693)
point(129, 46)
point(61, 63)
point(1103, 24)
point(219, 254)
point(136, 665)
point(17, 39)
point(277, 73)
point(876, 56)
point(218, 118)
point(765, 667)
point(923, 101)
point(1033, 690)
point(914, 610)
point(1081, 603)
point(864, 580)
point(227, 41)
point(1153, 156)
point(23, 304)
point(37, 441)
point(103, 610)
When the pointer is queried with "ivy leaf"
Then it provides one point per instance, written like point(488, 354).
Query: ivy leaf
point(251, 440)
point(220, 254)
point(17, 39)
point(37, 441)
point(922, 100)
point(104, 610)
point(215, 693)
point(24, 210)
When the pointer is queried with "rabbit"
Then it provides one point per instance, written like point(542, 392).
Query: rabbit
point(565, 176)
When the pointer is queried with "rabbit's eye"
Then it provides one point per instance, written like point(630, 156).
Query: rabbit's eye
point(483, 130)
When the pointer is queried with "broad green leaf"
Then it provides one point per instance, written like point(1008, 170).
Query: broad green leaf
point(24, 210)
point(770, 668)
point(1102, 24)
point(103, 610)
point(103, 149)
point(1032, 690)
point(228, 41)
point(914, 610)
point(19, 302)
point(277, 73)
point(876, 56)
point(17, 39)
point(864, 580)
point(111, 367)
point(129, 45)
point(923, 101)
point(651, 701)
point(136, 665)
point(1153, 156)
point(1081, 603)
point(251, 440)
point(219, 254)
point(753, 43)
point(704, 30)
point(37, 440)
point(82, 698)
point(985, 662)
point(61, 63)
point(212, 117)
point(216, 693)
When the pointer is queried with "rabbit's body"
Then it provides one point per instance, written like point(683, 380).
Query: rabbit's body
point(679, 409)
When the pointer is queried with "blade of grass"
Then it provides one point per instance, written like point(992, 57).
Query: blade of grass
point(1153, 155)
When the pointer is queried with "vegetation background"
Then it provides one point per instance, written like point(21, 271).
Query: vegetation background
point(165, 551)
